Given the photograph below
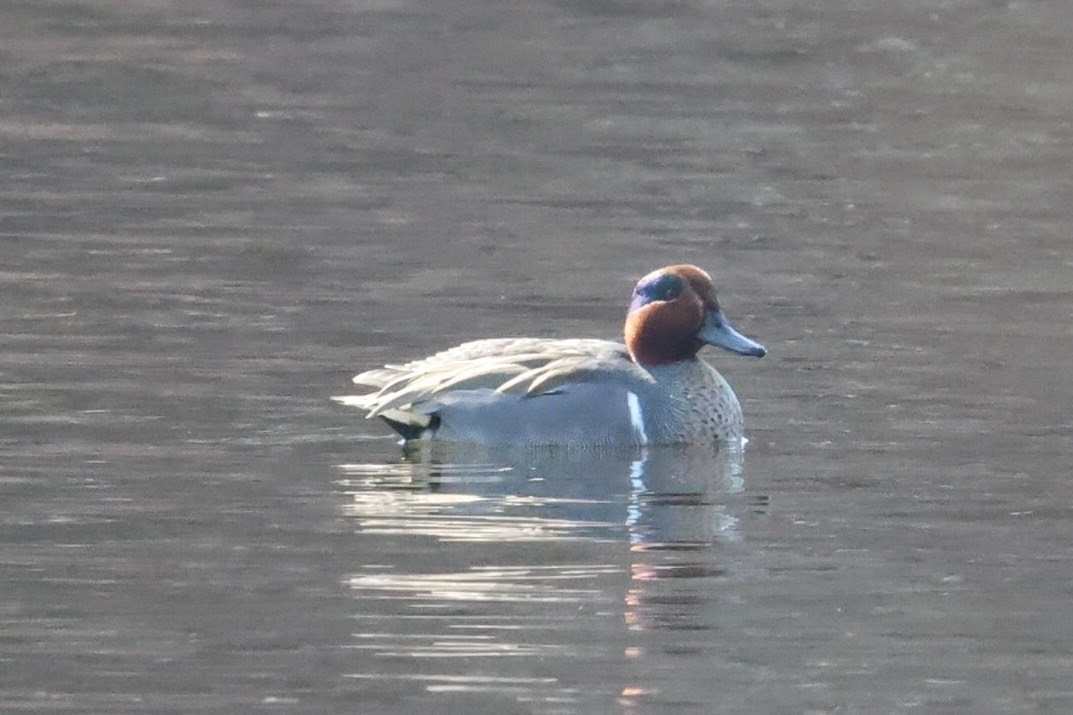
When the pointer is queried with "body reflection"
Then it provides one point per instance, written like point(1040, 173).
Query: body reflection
point(520, 562)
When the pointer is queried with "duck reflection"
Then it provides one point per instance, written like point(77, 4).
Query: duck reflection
point(659, 498)
point(487, 554)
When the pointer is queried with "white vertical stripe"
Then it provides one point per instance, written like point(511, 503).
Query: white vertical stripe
point(637, 418)
point(637, 490)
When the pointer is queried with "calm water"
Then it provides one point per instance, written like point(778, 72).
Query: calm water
point(214, 213)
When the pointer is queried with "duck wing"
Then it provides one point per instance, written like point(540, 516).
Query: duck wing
point(521, 366)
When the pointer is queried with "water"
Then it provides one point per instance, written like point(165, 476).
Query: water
point(215, 213)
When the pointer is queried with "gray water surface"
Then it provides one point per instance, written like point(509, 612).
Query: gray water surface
point(214, 213)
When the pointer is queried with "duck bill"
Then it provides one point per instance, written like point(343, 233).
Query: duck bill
point(716, 330)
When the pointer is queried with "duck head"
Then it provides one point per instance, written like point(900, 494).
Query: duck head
point(674, 312)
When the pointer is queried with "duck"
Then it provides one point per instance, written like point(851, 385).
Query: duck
point(650, 389)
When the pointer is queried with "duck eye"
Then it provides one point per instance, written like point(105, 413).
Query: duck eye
point(662, 287)
point(668, 287)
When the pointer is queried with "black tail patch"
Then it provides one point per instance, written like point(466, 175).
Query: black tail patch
point(408, 430)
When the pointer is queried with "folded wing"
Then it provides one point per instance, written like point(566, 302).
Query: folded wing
point(521, 366)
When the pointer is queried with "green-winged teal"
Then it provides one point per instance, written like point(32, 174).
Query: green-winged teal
point(534, 391)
